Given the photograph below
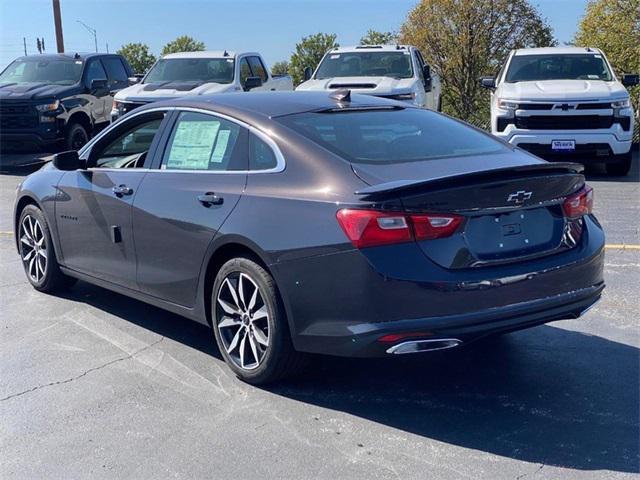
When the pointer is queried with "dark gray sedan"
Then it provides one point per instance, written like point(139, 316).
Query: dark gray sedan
point(313, 222)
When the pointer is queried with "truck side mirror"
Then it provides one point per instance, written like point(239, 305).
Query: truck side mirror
point(630, 79)
point(488, 82)
point(134, 80)
point(67, 161)
point(252, 82)
point(308, 73)
point(426, 73)
point(98, 84)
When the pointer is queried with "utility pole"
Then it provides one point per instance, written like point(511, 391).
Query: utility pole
point(92, 31)
point(24, 41)
point(107, 47)
point(57, 19)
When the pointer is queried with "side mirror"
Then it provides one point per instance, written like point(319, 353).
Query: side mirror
point(135, 79)
point(630, 79)
point(98, 84)
point(252, 82)
point(67, 161)
point(488, 82)
point(426, 73)
point(308, 73)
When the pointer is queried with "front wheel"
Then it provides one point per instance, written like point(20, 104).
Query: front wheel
point(76, 137)
point(37, 252)
point(620, 167)
point(250, 325)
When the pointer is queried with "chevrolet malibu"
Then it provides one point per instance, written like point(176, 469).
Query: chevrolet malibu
point(314, 222)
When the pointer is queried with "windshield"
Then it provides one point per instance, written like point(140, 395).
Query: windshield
point(204, 70)
point(366, 64)
point(392, 135)
point(32, 70)
point(527, 68)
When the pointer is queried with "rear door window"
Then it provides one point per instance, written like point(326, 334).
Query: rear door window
point(205, 142)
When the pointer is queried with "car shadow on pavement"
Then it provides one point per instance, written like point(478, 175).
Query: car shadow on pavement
point(545, 395)
point(597, 173)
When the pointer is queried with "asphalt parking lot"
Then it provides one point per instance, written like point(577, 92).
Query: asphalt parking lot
point(96, 385)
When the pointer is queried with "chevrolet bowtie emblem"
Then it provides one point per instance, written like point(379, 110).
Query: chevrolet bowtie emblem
point(519, 197)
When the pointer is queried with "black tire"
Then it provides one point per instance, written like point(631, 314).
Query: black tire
point(247, 328)
point(621, 167)
point(37, 252)
point(76, 137)
point(439, 108)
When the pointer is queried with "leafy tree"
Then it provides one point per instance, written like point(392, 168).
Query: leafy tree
point(308, 53)
point(138, 56)
point(184, 43)
point(614, 27)
point(374, 37)
point(465, 39)
point(280, 68)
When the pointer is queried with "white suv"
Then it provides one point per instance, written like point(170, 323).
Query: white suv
point(564, 103)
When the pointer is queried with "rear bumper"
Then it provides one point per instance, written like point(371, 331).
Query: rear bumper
point(341, 304)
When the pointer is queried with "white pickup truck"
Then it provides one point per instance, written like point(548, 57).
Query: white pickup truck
point(564, 103)
point(398, 72)
point(198, 73)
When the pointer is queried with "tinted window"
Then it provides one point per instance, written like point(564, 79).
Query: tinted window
point(203, 70)
point(59, 72)
point(95, 71)
point(261, 156)
point(130, 146)
point(526, 68)
point(366, 64)
point(115, 71)
point(245, 71)
point(258, 68)
point(392, 136)
point(205, 142)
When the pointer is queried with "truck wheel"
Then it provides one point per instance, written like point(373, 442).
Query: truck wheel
point(250, 324)
point(621, 167)
point(75, 137)
point(439, 108)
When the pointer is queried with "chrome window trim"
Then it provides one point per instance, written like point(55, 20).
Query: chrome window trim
point(280, 161)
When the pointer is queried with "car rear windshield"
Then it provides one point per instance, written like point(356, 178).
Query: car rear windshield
point(204, 70)
point(34, 70)
point(391, 135)
point(366, 64)
point(528, 68)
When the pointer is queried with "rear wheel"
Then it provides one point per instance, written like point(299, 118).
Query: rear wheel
point(37, 252)
point(250, 325)
point(620, 167)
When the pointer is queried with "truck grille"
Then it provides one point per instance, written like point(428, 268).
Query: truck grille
point(564, 122)
point(17, 116)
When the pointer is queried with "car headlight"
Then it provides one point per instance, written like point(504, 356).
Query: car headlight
point(48, 107)
point(507, 104)
point(621, 103)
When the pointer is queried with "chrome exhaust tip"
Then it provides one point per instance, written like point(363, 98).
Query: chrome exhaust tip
point(418, 346)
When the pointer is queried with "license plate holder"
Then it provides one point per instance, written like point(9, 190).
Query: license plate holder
point(563, 145)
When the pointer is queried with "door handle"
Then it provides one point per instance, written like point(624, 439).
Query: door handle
point(121, 190)
point(209, 199)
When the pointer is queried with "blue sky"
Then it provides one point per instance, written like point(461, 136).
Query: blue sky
point(270, 26)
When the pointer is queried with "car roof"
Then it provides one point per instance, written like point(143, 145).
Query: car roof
point(65, 56)
point(255, 106)
point(557, 50)
point(370, 48)
point(208, 54)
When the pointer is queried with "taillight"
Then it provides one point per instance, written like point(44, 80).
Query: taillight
point(579, 204)
point(370, 228)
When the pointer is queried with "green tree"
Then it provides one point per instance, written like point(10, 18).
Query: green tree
point(308, 53)
point(183, 44)
point(465, 39)
point(374, 37)
point(280, 68)
point(614, 27)
point(138, 56)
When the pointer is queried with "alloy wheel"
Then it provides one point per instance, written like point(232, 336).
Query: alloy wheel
point(33, 248)
point(242, 320)
point(78, 139)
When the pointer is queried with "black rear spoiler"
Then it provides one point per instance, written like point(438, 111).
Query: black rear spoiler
point(460, 179)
